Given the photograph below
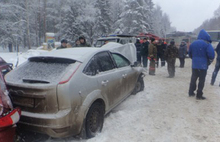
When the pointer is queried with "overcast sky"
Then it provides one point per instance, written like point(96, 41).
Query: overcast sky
point(186, 15)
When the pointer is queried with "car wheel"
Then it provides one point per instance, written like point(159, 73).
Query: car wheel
point(94, 119)
point(139, 85)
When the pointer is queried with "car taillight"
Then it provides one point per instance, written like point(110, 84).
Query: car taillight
point(10, 118)
point(68, 78)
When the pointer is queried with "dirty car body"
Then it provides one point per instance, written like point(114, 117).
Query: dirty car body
point(60, 91)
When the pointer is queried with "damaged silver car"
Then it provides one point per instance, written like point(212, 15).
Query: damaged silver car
point(68, 92)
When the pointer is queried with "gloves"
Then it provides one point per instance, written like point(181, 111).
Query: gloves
point(151, 58)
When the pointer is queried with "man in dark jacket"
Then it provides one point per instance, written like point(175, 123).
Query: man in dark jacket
point(217, 65)
point(138, 46)
point(170, 55)
point(202, 54)
point(182, 53)
point(63, 44)
point(152, 56)
point(160, 53)
point(144, 52)
point(83, 42)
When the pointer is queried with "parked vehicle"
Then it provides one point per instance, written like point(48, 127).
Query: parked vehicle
point(148, 36)
point(67, 92)
point(215, 37)
point(8, 116)
point(178, 37)
point(122, 39)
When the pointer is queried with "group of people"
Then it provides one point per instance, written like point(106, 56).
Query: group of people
point(80, 42)
point(200, 51)
point(159, 51)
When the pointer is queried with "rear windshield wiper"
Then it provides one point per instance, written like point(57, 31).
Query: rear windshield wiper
point(35, 81)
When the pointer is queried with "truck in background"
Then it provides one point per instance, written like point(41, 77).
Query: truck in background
point(215, 37)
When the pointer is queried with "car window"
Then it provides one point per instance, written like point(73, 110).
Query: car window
point(122, 41)
point(120, 60)
point(101, 42)
point(41, 70)
point(99, 63)
point(104, 61)
point(92, 68)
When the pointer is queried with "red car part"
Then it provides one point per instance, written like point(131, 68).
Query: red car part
point(10, 118)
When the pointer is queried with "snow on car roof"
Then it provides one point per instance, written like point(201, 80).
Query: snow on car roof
point(79, 54)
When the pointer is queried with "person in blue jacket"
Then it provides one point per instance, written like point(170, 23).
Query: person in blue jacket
point(202, 54)
point(217, 65)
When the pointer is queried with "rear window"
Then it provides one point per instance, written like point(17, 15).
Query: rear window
point(101, 42)
point(40, 70)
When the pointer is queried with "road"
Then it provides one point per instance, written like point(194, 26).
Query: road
point(163, 112)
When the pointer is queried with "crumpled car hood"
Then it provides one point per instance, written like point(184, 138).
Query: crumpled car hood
point(127, 50)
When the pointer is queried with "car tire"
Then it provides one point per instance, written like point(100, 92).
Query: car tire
point(139, 85)
point(94, 119)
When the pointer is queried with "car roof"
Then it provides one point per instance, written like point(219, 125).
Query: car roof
point(78, 54)
point(113, 37)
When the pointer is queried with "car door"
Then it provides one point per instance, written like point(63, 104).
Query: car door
point(103, 73)
point(127, 74)
point(109, 78)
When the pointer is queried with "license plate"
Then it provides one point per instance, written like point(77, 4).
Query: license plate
point(23, 101)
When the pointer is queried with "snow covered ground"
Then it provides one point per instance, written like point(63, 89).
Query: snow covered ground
point(163, 112)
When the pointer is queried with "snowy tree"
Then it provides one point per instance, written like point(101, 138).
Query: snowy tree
point(117, 7)
point(150, 6)
point(161, 22)
point(157, 21)
point(13, 22)
point(103, 17)
point(133, 19)
point(217, 12)
point(25, 22)
point(88, 21)
point(70, 25)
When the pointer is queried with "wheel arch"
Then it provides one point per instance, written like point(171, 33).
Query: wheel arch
point(90, 99)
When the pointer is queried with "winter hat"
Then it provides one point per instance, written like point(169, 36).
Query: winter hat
point(64, 41)
point(152, 39)
point(172, 42)
point(81, 37)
